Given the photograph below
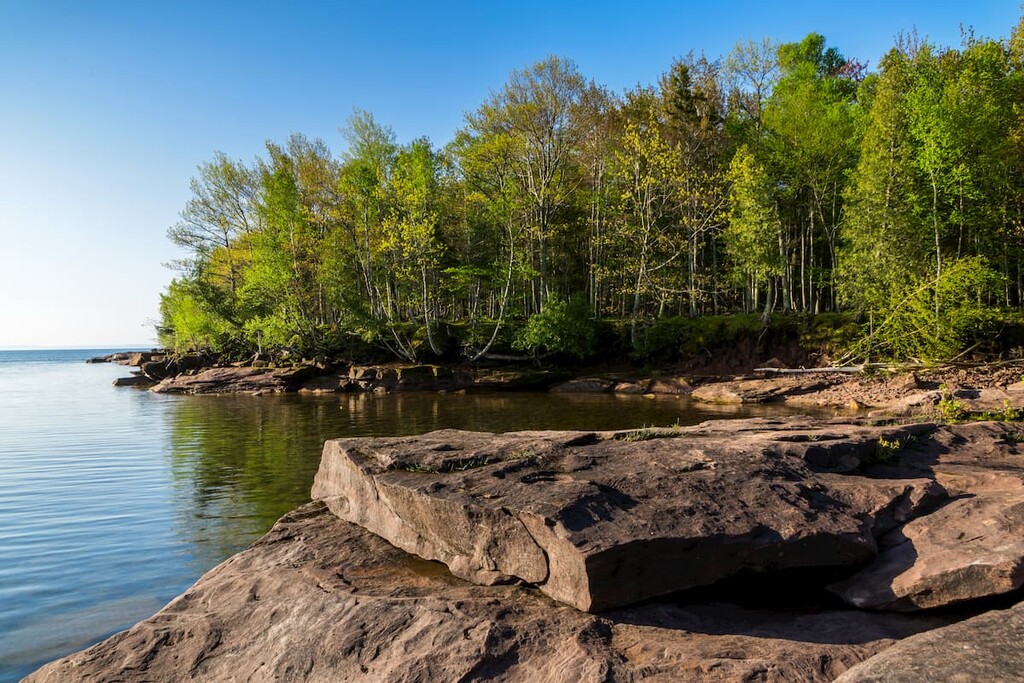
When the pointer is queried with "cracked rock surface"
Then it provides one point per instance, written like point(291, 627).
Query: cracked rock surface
point(602, 520)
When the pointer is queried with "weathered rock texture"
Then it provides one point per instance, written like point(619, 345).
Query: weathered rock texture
point(603, 520)
point(678, 386)
point(914, 517)
point(232, 380)
point(318, 599)
point(758, 390)
point(971, 548)
point(986, 649)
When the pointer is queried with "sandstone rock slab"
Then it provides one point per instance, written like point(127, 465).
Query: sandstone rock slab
point(967, 459)
point(675, 386)
point(603, 520)
point(232, 379)
point(914, 403)
point(584, 385)
point(988, 648)
point(318, 599)
point(757, 390)
point(973, 547)
point(133, 381)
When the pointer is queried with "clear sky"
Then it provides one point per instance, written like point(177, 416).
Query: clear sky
point(107, 107)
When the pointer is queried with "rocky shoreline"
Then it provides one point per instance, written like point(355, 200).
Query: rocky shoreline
point(993, 391)
point(796, 549)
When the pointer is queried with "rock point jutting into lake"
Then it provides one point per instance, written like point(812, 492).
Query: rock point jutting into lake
point(773, 550)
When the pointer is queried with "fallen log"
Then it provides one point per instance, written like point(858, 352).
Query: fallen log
point(849, 369)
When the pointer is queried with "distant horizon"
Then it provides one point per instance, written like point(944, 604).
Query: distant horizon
point(78, 347)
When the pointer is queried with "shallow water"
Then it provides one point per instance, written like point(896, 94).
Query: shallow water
point(114, 500)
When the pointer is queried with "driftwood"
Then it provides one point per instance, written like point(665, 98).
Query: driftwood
point(849, 369)
point(894, 367)
point(515, 359)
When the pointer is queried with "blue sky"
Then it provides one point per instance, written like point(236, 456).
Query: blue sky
point(107, 107)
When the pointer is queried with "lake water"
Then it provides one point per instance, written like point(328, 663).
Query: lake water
point(114, 500)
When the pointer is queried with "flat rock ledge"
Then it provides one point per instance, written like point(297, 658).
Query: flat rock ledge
point(318, 599)
point(603, 520)
point(236, 380)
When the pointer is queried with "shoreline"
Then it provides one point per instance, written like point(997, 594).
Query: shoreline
point(993, 390)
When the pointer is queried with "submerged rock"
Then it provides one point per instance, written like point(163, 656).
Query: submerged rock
point(318, 599)
point(604, 520)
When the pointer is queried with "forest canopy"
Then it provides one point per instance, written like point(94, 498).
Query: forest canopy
point(780, 178)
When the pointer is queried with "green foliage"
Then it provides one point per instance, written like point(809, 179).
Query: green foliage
point(567, 328)
point(1007, 414)
point(886, 450)
point(935, 320)
point(188, 322)
point(754, 232)
point(950, 408)
point(649, 433)
point(781, 178)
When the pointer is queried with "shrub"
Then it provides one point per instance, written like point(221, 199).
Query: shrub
point(562, 327)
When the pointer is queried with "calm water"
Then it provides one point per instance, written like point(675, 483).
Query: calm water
point(114, 500)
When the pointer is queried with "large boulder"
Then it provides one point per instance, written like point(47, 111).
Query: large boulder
point(676, 386)
point(137, 358)
point(603, 520)
point(988, 648)
point(318, 599)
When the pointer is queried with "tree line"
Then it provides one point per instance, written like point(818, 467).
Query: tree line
point(781, 178)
